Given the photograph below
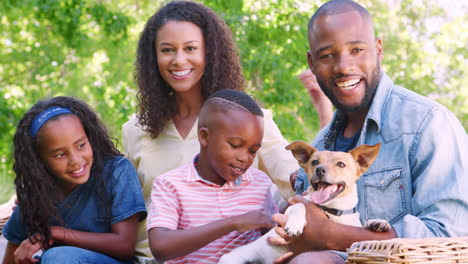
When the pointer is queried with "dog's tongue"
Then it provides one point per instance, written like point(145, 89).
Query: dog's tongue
point(323, 193)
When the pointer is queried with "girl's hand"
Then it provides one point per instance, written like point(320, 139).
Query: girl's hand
point(252, 220)
point(23, 254)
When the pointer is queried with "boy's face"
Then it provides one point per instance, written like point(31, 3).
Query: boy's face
point(229, 145)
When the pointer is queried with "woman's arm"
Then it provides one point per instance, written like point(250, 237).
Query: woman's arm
point(322, 104)
point(119, 244)
point(168, 244)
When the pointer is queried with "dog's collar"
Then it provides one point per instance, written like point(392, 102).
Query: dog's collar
point(337, 212)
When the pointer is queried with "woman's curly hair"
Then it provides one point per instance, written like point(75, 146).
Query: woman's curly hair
point(222, 66)
point(36, 187)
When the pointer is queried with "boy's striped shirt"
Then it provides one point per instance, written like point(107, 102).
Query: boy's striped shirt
point(181, 199)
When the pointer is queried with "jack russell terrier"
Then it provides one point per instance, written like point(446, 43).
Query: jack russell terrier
point(332, 176)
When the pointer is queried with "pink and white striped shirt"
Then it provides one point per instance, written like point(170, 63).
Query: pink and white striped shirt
point(181, 199)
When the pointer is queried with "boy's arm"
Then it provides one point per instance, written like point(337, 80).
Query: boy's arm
point(120, 243)
point(168, 244)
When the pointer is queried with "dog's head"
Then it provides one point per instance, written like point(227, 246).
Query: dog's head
point(332, 174)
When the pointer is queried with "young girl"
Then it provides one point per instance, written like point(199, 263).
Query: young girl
point(79, 199)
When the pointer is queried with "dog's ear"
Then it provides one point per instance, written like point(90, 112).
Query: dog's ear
point(365, 155)
point(301, 151)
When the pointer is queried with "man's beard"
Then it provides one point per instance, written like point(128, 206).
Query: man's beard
point(371, 88)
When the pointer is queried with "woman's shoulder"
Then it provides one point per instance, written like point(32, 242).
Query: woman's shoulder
point(132, 124)
point(267, 113)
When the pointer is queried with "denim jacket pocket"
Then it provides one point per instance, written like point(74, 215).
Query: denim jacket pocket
point(384, 195)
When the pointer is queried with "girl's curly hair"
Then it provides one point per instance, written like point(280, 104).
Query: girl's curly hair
point(222, 66)
point(36, 187)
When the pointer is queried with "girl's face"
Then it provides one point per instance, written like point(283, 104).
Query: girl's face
point(180, 50)
point(66, 151)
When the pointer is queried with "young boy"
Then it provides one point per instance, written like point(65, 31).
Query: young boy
point(205, 209)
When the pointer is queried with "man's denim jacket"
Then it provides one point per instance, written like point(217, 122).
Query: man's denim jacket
point(419, 181)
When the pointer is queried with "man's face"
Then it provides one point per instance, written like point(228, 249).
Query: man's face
point(345, 57)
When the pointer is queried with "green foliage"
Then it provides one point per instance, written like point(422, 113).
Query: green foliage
point(55, 47)
point(271, 36)
point(85, 48)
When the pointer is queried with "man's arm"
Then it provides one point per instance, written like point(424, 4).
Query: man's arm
point(439, 170)
point(321, 233)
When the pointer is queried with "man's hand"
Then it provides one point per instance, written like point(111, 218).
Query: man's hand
point(313, 237)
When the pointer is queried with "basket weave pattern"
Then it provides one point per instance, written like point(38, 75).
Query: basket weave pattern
point(440, 250)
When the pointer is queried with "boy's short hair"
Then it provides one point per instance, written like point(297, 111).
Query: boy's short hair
point(234, 99)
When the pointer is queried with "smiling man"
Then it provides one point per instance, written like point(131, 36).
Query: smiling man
point(417, 182)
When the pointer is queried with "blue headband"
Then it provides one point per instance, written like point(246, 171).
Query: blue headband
point(45, 115)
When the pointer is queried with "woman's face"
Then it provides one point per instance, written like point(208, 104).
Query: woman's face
point(180, 50)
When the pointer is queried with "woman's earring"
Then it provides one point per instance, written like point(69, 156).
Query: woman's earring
point(171, 93)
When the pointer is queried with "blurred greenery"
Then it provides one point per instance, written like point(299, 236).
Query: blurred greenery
point(86, 48)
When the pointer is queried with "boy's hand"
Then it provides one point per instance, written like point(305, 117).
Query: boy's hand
point(252, 220)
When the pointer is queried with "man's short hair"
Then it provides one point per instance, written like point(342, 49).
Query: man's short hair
point(337, 7)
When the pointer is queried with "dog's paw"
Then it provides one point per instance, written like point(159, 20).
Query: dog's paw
point(294, 228)
point(377, 225)
point(296, 219)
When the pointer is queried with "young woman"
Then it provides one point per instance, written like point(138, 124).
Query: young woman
point(79, 199)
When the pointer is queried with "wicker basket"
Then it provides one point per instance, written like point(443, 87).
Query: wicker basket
point(407, 250)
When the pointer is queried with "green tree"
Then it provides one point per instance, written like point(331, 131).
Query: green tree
point(57, 47)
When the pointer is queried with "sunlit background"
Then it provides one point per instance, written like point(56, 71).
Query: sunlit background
point(86, 49)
